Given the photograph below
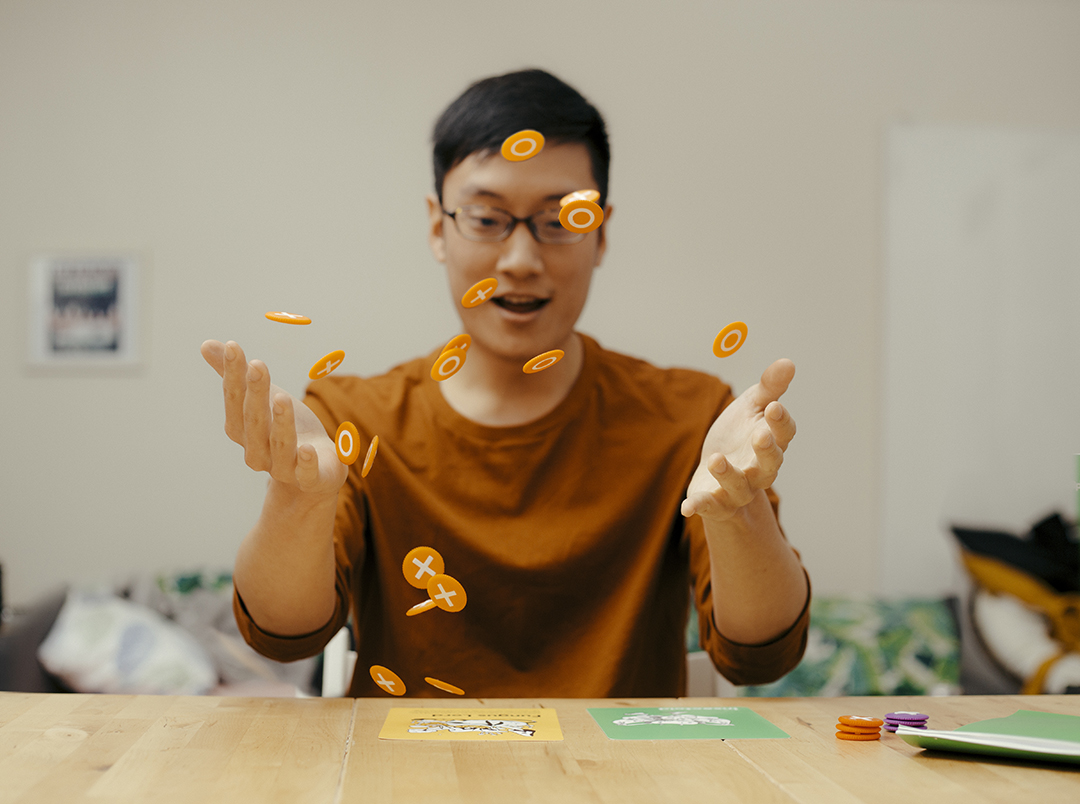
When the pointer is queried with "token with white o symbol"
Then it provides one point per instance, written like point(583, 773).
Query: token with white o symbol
point(448, 364)
point(541, 362)
point(347, 442)
point(581, 215)
point(730, 339)
point(522, 145)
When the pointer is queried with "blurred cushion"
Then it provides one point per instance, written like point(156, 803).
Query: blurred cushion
point(101, 643)
point(874, 647)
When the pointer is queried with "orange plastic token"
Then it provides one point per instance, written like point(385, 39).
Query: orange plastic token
point(480, 292)
point(588, 195)
point(421, 565)
point(369, 459)
point(442, 685)
point(581, 215)
point(522, 145)
point(729, 340)
point(541, 362)
point(448, 364)
point(462, 342)
point(845, 736)
point(347, 441)
point(326, 365)
point(857, 729)
point(448, 594)
point(387, 680)
point(861, 721)
point(420, 608)
point(288, 318)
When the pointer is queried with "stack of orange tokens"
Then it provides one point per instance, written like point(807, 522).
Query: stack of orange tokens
point(859, 727)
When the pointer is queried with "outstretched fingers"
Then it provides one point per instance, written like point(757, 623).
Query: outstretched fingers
point(213, 352)
point(257, 417)
point(283, 458)
point(781, 424)
point(768, 458)
point(732, 492)
point(234, 382)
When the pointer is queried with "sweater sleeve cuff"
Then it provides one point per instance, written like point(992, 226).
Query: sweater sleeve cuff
point(761, 664)
point(285, 648)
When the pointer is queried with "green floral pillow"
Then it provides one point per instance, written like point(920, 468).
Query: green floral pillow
point(872, 647)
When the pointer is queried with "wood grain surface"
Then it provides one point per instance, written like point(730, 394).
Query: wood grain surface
point(113, 748)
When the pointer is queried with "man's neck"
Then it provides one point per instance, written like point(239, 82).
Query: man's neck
point(494, 391)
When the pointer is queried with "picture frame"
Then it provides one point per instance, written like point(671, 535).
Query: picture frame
point(83, 311)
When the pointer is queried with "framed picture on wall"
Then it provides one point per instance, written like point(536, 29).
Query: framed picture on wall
point(83, 311)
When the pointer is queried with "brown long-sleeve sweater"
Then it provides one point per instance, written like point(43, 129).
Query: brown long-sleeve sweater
point(565, 533)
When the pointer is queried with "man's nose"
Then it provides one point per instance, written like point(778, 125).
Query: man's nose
point(521, 252)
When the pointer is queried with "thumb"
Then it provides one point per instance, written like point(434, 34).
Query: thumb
point(774, 381)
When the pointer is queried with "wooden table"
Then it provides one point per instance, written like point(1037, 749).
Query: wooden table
point(113, 748)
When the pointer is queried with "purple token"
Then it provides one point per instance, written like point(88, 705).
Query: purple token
point(907, 717)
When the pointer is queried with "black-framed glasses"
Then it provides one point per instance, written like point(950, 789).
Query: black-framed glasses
point(484, 224)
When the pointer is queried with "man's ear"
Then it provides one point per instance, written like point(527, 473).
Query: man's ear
point(435, 227)
point(601, 245)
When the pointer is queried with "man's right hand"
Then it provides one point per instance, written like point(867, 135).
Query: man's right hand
point(279, 434)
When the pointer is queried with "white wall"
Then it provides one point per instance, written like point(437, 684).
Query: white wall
point(265, 155)
point(981, 414)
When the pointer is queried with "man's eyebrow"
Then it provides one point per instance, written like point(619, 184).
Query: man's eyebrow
point(482, 192)
point(479, 191)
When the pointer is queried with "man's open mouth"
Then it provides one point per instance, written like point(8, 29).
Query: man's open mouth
point(522, 304)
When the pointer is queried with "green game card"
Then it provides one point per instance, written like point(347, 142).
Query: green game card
point(684, 723)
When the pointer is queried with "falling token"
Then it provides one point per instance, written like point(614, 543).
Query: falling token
point(522, 145)
point(387, 679)
point(419, 608)
point(288, 318)
point(448, 594)
point(480, 292)
point(588, 195)
point(442, 685)
point(581, 215)
point(369, 459)
point(729, 339)
point(421, 564)
point(462, 342)
point(541, 362)
point(326, 365)
point(347, 441)
point(448, 364)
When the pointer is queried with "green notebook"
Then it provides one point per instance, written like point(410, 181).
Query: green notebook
point(1042, 736)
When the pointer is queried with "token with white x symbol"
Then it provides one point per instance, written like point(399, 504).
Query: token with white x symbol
point(447, 593)
point(387, 680)
point(421, 564)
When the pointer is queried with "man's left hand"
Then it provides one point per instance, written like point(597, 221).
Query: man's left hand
point(744, 448)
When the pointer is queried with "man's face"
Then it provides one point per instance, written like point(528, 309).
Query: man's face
point(542, 287)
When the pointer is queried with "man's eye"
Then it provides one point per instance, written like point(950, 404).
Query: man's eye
point(483, 222)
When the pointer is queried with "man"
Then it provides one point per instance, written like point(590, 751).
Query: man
point(576, 506)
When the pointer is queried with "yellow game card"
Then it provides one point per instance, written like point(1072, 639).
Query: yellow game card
point(471, 724)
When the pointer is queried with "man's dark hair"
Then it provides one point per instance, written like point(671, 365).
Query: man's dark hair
point(491, 110)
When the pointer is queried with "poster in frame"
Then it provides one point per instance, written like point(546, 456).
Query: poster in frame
point(83, 311)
